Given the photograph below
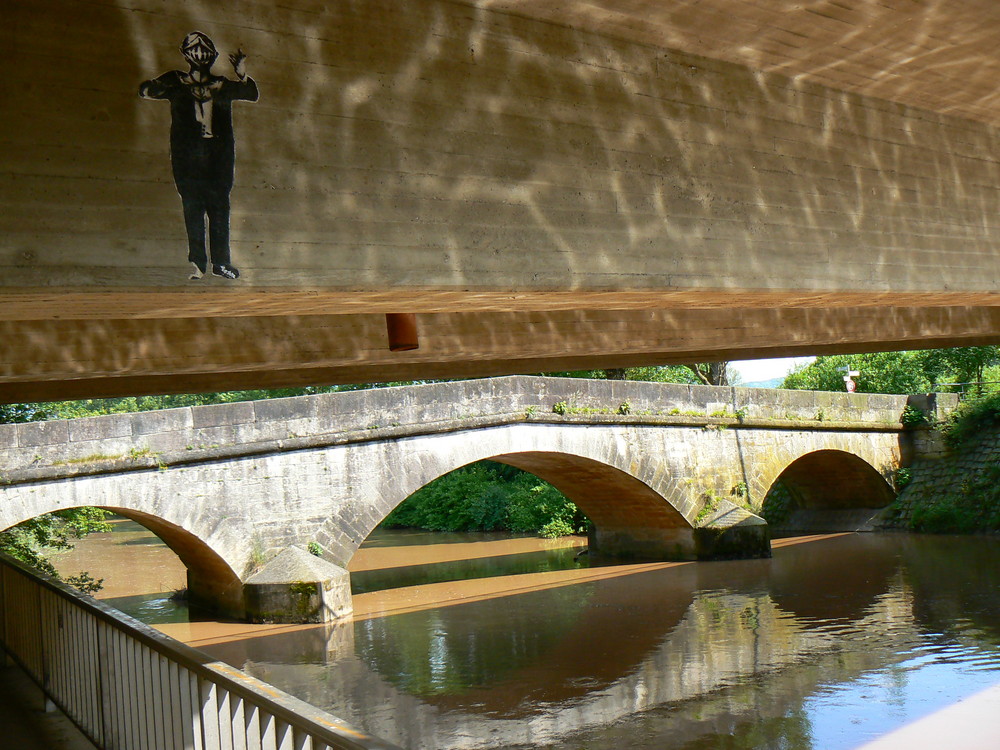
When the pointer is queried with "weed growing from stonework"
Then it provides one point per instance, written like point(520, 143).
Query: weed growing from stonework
point(913, 417)
point(711, 503)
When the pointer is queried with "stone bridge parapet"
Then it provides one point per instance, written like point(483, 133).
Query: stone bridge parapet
point(233, 429)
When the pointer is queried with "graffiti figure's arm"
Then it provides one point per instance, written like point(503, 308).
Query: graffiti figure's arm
point(159, 88)
point(244, 88)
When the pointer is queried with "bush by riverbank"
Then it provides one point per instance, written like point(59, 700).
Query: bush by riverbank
point(958, 493)
point(488, 496)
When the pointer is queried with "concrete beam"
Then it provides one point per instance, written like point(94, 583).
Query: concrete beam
point(517, 192)
point(59, 359)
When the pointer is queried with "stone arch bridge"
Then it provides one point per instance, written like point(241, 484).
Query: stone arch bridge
point(663, 471)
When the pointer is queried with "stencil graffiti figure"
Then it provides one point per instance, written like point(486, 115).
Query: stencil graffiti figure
point(202, 146)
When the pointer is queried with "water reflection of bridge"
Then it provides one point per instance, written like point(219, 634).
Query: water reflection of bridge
point(494, 673)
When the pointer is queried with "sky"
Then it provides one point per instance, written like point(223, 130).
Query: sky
point(755, 370)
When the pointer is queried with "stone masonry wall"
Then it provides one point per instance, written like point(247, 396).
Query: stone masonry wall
point(195, 429)
point(939, 470)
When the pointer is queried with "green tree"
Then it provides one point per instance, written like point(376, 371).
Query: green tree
point(487, 496)
point(965, 364)
point(33, 541)
point(712, 373)
point(689, 374)
point(10, 413)
point(895, 372)
point(881, 372)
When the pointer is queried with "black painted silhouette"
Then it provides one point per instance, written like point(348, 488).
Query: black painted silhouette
point(203, 147)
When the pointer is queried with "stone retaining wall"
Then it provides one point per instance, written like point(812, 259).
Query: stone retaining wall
point(940, 469)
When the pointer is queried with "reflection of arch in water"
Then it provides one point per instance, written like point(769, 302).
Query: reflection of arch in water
point(827, 490)
point(805, 582)
point(709, 639)
point(581, 648)
point(487, 656)
point(212, 583)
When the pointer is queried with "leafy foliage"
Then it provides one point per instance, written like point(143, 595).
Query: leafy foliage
point(960, 365)
point(99, 406)
point(973, 505)
point(896, 372)
point(487, 496)
point(882, 372)
point(33, 541)
point(971, 417)
point(10, 413)
point(688, 374)
point(912, 416)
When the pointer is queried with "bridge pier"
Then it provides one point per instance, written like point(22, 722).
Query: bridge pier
point(225, 599)
point(728, 532)
point(296, 586)
point(643, 543)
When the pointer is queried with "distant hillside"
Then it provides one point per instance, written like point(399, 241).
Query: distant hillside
point(772, 383)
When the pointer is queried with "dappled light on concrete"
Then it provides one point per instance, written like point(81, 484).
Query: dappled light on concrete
point(545, 185)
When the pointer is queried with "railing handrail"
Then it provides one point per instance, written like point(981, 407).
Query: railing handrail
point(315, 722)
point(962, 389)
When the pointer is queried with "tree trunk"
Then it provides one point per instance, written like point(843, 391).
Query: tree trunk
point(711, 373)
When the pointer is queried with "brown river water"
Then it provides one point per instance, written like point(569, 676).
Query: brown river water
point(478, 641)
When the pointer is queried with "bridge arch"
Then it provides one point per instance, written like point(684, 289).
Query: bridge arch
point(212, 582)
point(827, 490)
point(627, 500)
point(609, 496)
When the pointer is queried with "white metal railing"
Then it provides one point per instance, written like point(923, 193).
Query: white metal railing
point(129, 687)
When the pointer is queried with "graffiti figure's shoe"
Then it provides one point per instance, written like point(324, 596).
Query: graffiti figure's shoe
point(225, 271)
point(196, 271)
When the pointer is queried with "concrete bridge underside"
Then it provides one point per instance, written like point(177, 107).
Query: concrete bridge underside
point(662, 482)
point(545, 185)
